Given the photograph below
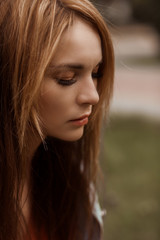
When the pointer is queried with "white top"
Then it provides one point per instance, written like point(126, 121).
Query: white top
point(97, 211)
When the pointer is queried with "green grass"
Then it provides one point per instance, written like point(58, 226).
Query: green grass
point(130, 161)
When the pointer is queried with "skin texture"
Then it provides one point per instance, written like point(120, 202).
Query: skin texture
point(80, 47)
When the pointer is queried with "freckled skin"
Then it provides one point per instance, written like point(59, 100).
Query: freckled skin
point(81, 45)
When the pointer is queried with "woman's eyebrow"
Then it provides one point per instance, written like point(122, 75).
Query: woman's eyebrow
point(72, 66)
point(69, 66)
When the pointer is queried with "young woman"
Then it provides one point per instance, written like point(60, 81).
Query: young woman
point(56, 80)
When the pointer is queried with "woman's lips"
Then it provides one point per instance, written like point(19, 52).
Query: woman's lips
point(80, 121)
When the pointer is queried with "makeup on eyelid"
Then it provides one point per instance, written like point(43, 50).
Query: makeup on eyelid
point(70, 81)
point(68, 77)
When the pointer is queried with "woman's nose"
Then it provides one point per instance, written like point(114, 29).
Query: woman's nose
point(88, 92)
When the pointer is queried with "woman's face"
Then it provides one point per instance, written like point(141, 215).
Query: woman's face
point(69, 88)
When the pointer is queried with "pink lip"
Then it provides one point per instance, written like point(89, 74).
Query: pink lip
point(83, 120)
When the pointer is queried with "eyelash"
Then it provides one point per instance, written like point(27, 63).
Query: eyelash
point(72, 81)
point(97, 75)
point(65, 82)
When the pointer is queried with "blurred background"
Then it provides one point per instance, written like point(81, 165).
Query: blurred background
point(130, 152)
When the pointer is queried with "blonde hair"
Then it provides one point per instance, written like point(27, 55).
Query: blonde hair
point(30, 33)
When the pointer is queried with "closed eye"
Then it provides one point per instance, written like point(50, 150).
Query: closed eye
point(66, 82)
point(97, 75)
point(97, 71)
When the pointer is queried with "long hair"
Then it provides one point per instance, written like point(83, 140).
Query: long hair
point(30, 31)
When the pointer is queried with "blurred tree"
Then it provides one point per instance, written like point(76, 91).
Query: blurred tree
point(102, 1)
point(147, 11)
point(122, 12)
point(115, 11)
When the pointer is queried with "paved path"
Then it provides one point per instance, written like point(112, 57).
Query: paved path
point(137, 87)
point(137, 91)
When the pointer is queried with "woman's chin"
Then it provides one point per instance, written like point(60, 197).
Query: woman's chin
point(69, 136)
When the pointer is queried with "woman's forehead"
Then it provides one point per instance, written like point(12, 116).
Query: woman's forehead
point(80, 44)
